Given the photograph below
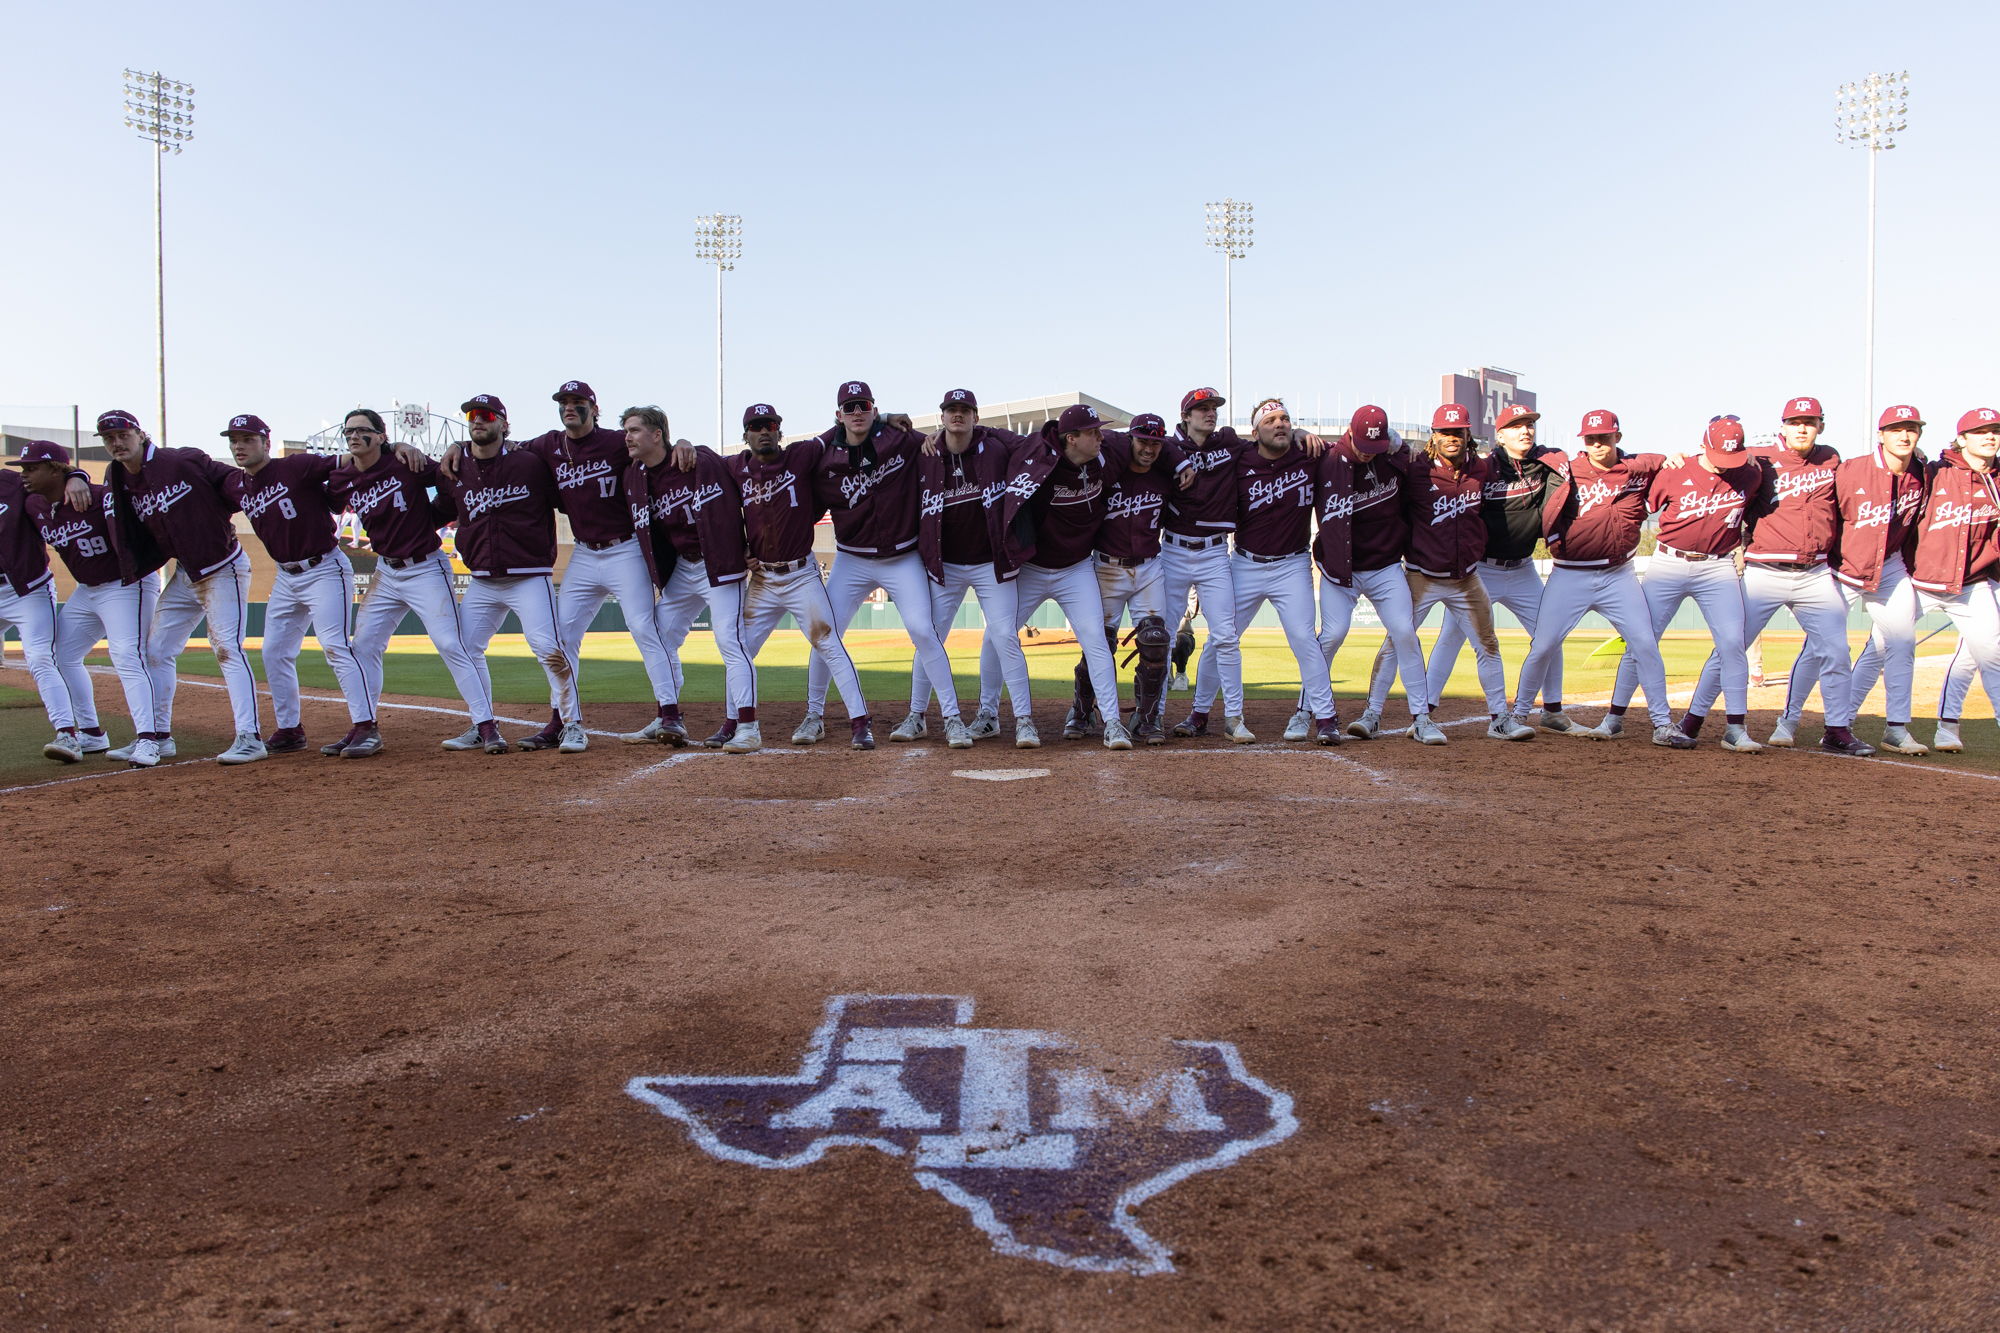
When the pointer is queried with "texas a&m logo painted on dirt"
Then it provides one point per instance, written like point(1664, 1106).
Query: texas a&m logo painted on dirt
point(1047, 1154)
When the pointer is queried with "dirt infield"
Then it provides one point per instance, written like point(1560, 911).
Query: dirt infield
point(1570, 1036)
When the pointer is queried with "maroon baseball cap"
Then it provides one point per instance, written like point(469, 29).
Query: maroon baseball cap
point(960, 398)
point(1796, 408)
point(1514, 412)
point(1902, 414)
point(855, 391)
point(1602, 421)
point(1979, 418)
point(1149, 424)
point(1368, 428)
point(485, 402)
point(1078, 417)
point(246, 425)
point(575, 389)
point(1723, 436)
point(1452, 416)
point(117, 420)
point(1201, 398)
point(41, 451)
point(760, 412)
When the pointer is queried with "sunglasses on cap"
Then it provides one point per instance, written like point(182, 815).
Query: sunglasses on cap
point(481, 414)
point(1727, 416)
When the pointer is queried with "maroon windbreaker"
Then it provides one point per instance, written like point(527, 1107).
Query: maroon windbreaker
point(1070, 504)
point(695, 515)
point(83, 540)
point(175, 508)
point(1795, 516)
point(393, 504)
point(506, 510)
point(1447, 527)
point(24, 561)
point(1701, 512)
point(871, 489)
point(1958, 538)
point(287, 505)
point(960, 514)
point(590, 481)
point(1209, 506)
point(1359, 504)
point(779, 503)
point(1593, 515)
point(1878, 514)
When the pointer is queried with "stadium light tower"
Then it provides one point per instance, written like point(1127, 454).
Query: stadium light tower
point(1229, 232)
point(162, 111)
point(718, 240)
point(1870, 114)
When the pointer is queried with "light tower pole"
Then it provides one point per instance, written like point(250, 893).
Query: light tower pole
point(1229, 232)
point(1870, 114)
point(162, 110)
point(718, 240)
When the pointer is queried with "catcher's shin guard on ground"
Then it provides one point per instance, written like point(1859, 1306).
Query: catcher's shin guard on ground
point(1149, 677)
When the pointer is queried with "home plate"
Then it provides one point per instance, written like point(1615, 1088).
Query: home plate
point(999, 774)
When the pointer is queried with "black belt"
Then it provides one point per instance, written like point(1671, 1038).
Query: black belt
point(1509, 564)
point(301, 566)
point(603, 546)
point(1265, 559)
point(1692, 555)
point(780, 567)
point(393, 563)
point(1194, 543)
point(1787, 566)
point(1122, 561)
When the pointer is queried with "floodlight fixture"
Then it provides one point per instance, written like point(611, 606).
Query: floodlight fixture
point(162, 111)
point(718, 240)
point(1229, 230)
point(1870, 114)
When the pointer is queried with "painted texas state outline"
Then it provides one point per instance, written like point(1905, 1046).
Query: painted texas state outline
point(1047, 1155)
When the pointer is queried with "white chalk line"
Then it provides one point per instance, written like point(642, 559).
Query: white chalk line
point(107, 773)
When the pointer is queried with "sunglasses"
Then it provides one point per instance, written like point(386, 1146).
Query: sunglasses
point(357, 432)
point(481, 414)
point(763, 423)
point(1727, 416)
point(856, 405)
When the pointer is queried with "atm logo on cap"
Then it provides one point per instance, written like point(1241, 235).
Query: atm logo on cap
point(571, 387)
point(1904, 413)
point(1987, 414)
point(853, 388)
point(239, 423)
point(1803, 405)
point(1596, 420)
point(1452, 415)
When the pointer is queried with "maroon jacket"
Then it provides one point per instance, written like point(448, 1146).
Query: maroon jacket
point(1701, 512)
point(779, 503)
point(1593, 515)
point(1209, 506)
point(1358, 501)
point(871, 490)
point(1068, 506)
point(83, 540)
point(506, 510)
point(393, 504)
point(1878, 514)
point(1134, 501)
point(177, 508)
point(1958, 538)
point(1795, 517)
point(24, 561)
point(590, 481)
point(287, 505)
point(1447, 526)
point(694, 515)
point(1274, 502)
point(959, 502)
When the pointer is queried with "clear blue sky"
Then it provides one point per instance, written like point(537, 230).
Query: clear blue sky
point(1639, 207)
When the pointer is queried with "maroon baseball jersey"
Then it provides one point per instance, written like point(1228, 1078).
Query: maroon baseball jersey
point(83, 540)
point(1796, 514)
point(506, 509)
point(1701, 512)
point(1512, 499)
point(1274, 502)
point(1593, 515)
point(590, 481)
point(287, 505)
point(1878, 516)
point(179, 498)
point(1447, 526)
point(779, 502)
point(393, 504)
point(1208, 506)
point(24, 561)
point(1958, 537)
point(870, 489)
point(1134, 502)
point(964, 535)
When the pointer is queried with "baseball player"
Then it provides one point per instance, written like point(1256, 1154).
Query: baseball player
point(505, 503)
point(393, 505)
point(1796, 522)
point(690, 529)
point(1184, 640)
point(286, 501)
point(1957, 564)
point(28, 604)
point(780, 507)
point(1701, 503)
point(867, 477)
point(102, 607)
point(1881, 495)
point(1592, 520)
point(1126, 555)
point(1194, 551)
point(1445, 498)
point(1363, 533)
point(1272, 563)
point(1519, 475)
point(962, 474)
point(175, 503)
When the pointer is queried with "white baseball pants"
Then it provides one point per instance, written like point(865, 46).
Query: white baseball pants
point(767, 598)
point(1976, 613)
point(1615, 594)
point(321, 597)
point(1000, 655)
point(687, 592)
point(1287, 585)
point(1815, 599)
point(1074, 589)
point(1465, 603)
point(33, 617)
point(1388, 591)
point(425, 588)
point(1520, 591)
point(1958, 677)
point(1890, 655)
point(903, 578)
point(620, 571)
point(1208, 572)
point(1715, 588)
point(1142, 590)
point(532, 599)
point(223, 599)
point(119, 614)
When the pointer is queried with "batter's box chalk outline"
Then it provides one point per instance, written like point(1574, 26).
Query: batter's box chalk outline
point(999, 774)
point(907, 1076)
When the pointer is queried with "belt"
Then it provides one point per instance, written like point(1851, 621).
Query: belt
point(1787, 566)
point(1265, 559)
point(1509, 564)
point(1693, 555)
point(779, 567)
point(301, 566)
point(1194, 543)
point(415, 560)
point(1122, 561)
point(603, 546)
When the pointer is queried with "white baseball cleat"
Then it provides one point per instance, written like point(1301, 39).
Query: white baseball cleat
point(747, 739)
point(646, 736)
point(1300, 727)
point(573, 741)
point(1736, 738)
point(1179, 682)
point(1671, 737)
point(1366, 727)
point(911, 728)
point(1782, 734)
point(812, 730)
point(1025, 735)
point(1559, 722)
point(1505, 728)
point(92, 744)
point(469, 739)
point(1946, 740)
point(143, 753)
point(1609, 729)
point(1901, 741)
point(1233, 728)
point(1115, 737)
point(983, 725)
point(247, 748)
point(166, 746)
point(956, 735)
point(64, 748)
point(1426, 731)
point(123, 753)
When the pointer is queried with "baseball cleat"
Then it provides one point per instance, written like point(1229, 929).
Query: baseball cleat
point(64, 748)
point(722, 734)
point(1328, 731)
point(673, 731)
point(659, 729)
point(89, 744)
point(1899, 740)
point(1505, 728)
point(1839, 740)
point(1672, 737)
point(332, 749)
point(1025, 735)
point(811, 730)
point(574, 740)
point(286, 740)
point(1195, 725)
point(1736, 738)
point(143, 753)
point(1149, 730)
point(1074, 725)
point(1946, 740)
point(1179, 681)
point(1300, 726)
point(123, 752)
point(956, 735)
point(911, 728)
point(1558, 721)
point(1610, 728)
point(247, 748)
point(166, 746)
point(1782, 735)
point(548, 738)
point(366, 741)
point(490, 738)
point(864, 739)
point(1366, 727)
point(1115, 737)
point(747, 739)
point(1233, 728)
point(472, 738)
point(983, 725)
point(1426, 732)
